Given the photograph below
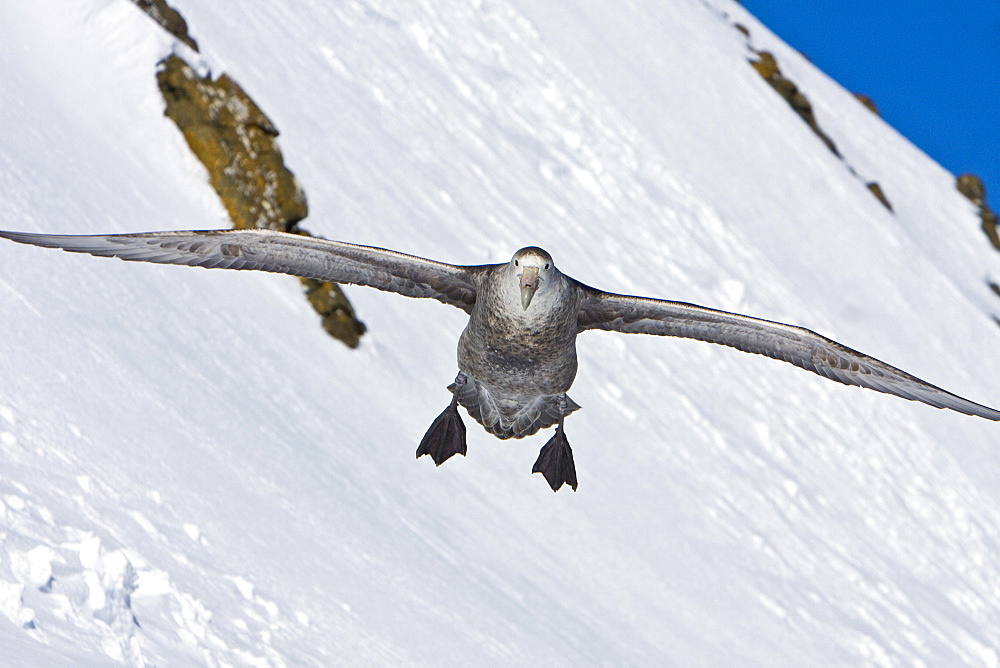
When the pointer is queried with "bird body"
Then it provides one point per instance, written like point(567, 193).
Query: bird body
point(517, 355)
point(519, 359)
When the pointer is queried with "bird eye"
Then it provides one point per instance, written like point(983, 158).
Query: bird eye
point(516, 263)
point(546, 265)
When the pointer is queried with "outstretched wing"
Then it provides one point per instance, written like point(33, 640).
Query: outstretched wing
point(279, 252)
point(802, 347)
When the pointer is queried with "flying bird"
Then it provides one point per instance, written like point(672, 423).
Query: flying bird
point(517, 355)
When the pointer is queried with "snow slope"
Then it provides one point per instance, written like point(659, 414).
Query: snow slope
point(195, 474)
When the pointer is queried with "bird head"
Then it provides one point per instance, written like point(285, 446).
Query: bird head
point(533, 267)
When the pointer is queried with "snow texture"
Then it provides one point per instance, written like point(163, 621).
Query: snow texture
point(195, 474)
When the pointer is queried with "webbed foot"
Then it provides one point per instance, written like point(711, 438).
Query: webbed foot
point(445, 437)
point(555, 462)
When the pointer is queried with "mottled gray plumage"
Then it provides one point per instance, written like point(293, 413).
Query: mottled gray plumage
point(519, 360)
point(517, 355)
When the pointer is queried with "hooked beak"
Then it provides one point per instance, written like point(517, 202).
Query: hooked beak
point(529, 283)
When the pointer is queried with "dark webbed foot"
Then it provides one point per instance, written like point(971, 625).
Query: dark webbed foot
point(445, 437)
point(555, 462)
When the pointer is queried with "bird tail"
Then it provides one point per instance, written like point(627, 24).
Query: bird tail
point(510, 419)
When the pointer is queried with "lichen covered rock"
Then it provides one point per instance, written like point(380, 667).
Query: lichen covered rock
point(767, 66)
point(869, 103)
point(168, 18)
point(237, 143)
point(973, 187)
point(336, 312)
point(876, 190)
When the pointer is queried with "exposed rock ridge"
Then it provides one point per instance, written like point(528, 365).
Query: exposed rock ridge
point(169, 19)
point(237, 143)
point(973, 187)
point(766, 65)
point(969, 185)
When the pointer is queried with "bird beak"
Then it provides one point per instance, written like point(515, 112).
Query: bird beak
point(529, 283)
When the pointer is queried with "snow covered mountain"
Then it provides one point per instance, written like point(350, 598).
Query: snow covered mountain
point(193, 473)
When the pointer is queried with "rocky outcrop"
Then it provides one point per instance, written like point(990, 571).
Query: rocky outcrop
point(973, 187)
point(169, 19)
point(335, 311)
point(869, 103)
point(969, 185)
point(767, 67)
point(876, 190)
point(237, 143)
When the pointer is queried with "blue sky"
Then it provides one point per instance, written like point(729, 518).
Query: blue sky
point(931, 66)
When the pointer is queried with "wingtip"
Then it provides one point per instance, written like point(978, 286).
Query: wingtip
point(31, 238)
point(13, 236)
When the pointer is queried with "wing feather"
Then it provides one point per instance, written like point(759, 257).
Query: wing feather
point(799, 346)
point(279, 252)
